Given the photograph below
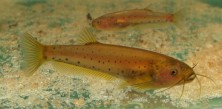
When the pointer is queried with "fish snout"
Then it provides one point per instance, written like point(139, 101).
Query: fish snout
point(191, 77)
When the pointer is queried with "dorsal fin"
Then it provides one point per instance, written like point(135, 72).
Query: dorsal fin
point(87, 37)
point(89, 18)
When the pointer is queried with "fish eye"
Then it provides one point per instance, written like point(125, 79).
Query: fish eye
point(98, 22)
point(174, 72)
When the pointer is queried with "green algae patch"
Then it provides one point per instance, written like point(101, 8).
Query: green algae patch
point(216, 3)
point(30, 2)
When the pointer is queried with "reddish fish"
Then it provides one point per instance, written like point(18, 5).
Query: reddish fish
point(136, 17)
point(138, 68)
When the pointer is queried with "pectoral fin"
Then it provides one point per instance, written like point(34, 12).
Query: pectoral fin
point(142, 86)
point(141, 83)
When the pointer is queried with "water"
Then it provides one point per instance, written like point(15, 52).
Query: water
point(60, 22)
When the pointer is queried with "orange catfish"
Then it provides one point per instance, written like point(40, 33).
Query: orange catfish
point(138, 68)
point(136, 18)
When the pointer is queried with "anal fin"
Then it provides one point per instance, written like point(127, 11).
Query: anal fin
point(70, 69)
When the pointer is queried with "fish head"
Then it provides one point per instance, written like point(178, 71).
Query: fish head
point(101, 23)
point(174, 72)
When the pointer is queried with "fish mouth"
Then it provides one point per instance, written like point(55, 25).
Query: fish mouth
point(191, 77)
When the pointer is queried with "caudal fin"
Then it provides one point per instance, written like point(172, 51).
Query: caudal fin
point(180, 18)
point(32, 54)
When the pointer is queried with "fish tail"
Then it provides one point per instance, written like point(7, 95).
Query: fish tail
point(180, 18)
point(32, 54)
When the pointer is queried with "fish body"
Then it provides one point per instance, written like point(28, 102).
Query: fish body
point(136, 67)
point(134, 18)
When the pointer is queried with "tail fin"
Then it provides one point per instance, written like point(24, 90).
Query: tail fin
point(180, 18)
point(32, 54)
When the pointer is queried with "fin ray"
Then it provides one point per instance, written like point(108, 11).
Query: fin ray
point(87, 37)
point(32, 54)
point(141, 86)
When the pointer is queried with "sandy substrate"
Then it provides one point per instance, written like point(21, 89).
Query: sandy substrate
point(60, 22)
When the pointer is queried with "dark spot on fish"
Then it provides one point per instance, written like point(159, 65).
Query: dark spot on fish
point(122, 71)
point(120, 61)
point(84, 57)
point(66, 59)
point(140, 74)
point(53, 58)
point(115, 61)
point(78, 62)
point(133, 71)
point(90, 58)
point(109, 69)
point(98, 22)
point(77, 48)
point(59, 59)
point(157, 67)
point(54, 48)
point(114, 22)
point(151, 62)
point(103, 62)
point(92, 52)
point(132, 16)
point(117, 73)
point(153, 76)
point(108, 60)
point(93, 66)
point(99, 61)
